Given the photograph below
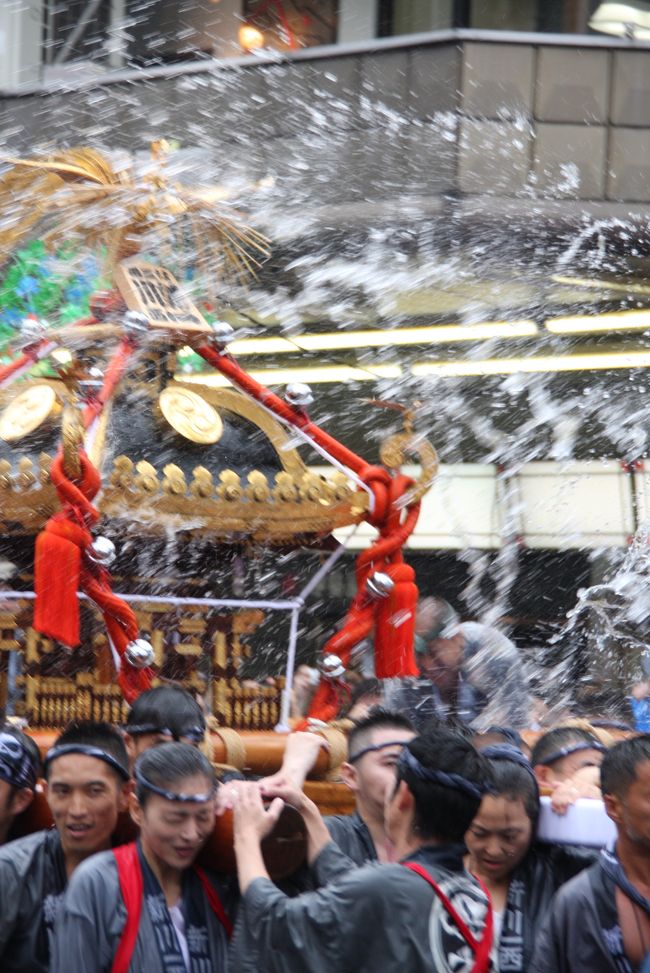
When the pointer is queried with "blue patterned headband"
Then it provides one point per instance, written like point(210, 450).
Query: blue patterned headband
point(504, 751)
point(475, 789)
point(573, 748)
point(17, 765)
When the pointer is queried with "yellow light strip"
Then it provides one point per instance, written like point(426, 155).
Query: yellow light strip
point(341, 340)
point(440, 334)
point(262, 346)
point(434, 334)
point(614, 321)
point(555, 363)
point(328, 374)
point(317, 375)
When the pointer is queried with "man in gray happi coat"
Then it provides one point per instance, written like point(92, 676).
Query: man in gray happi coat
point(381, 917)
point(469, 671)
point(599, 922)
point(87, 786)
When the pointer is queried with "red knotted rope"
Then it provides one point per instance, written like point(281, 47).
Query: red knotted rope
point(394, 622)
point(114, 373)
point(393, 618)
point(61, 570)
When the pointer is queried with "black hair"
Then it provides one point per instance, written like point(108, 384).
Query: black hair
point(167, 707)
point(559, 738)
point(89, 733)
point(507, 734)
point(28, 743)
point(367, 687)
point(513, 781)
point(168, 765)
point(618, 769)
point(377, 719)
point(443, 812)
point(455, 725)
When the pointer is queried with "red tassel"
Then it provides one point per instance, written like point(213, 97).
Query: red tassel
point(327, 701)
point(57, 568)
point(395, 630)
point(357, 627)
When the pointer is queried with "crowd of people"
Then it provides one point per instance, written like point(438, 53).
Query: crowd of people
point(439, 868)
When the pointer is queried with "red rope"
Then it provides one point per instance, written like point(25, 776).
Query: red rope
point(384, 555)
point(61, 570)
point(112, 377)
point(30, 354)
point(28, 357)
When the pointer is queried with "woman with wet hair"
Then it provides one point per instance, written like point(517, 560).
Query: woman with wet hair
point(520, 874)
point(145, 907)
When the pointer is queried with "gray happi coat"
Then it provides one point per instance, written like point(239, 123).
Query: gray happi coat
point(374, 919)
point(32, 881)
point(581, 929)
point(93, 915)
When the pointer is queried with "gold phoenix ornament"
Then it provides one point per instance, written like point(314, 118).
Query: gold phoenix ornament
point(102, 205)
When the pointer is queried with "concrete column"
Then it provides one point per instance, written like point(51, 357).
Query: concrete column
point(21, 35)
point(357, 21)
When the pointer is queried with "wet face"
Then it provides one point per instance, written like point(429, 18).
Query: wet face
point(173, 832)
point(85, 797)
point(631, 812)
point(442, 660)
point(568, 766)
point(499, 836)
point(375, 771)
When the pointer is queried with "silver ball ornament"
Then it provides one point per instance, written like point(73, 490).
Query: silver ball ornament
point(222, 334)
point(135, 325)
point(379, 585)
point(298, 394)
point(32, 330)
point(139, 654)
point(331, 667)
point(101, 551)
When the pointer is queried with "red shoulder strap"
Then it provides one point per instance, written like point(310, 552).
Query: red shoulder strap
point(132, 888)
point(482, 948)
point(214, 900)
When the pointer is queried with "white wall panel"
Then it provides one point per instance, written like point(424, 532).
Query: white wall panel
point(459, 511)
point(586, 504)
point(551, 505)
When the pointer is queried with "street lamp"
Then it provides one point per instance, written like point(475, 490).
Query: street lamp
point(631, 20)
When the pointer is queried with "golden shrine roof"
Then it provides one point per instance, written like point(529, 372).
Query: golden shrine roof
point(248, 482)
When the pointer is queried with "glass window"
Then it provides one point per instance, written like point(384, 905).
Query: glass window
point(415, 16)
point(503, 14)
point(553, 16)
point(293, 24)
point(70, 34)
